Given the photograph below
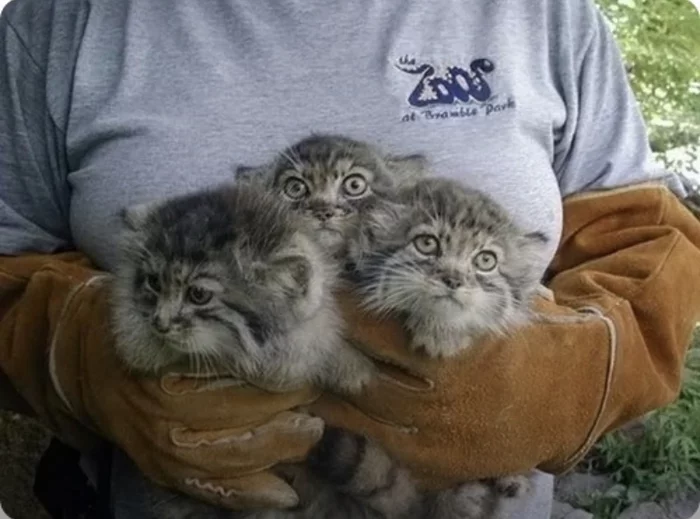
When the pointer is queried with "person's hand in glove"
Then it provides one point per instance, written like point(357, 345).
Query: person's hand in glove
point(207, 438)
point(626, 282)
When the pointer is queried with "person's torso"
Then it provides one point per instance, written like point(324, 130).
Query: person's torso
point(169, 97)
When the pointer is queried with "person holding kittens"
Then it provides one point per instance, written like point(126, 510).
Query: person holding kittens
point(105, 105)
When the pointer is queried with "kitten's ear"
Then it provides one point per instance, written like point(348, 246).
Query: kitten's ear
point(384, 215)
point(291, 274)
point(532, 245)
point(532, 252)
point(249, 174)
point(134, 217)
point(408, 168)
point(535, 239)
point(299, 269)
point(377, 224)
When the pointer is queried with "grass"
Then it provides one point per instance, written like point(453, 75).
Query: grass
point(664, 461)
point(22, 441)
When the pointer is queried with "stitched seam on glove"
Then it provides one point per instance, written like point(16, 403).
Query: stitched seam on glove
point(53, 372)
point(217, 383)
point(210, 487)
point(241, 438)
point(405, 429)
point(286, 497)
point(428, 386)
point(612, 363)
point(237, 438)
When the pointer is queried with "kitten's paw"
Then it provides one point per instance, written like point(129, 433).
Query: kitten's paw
point(426, 344)
point(438, 347)
point(469, 500)
point(514, 487)
point(353, 372)
point(355, 383)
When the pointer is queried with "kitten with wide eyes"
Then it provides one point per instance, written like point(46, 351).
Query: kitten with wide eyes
point(449, 261)
point(333, 179)
point(340, 183)
point(231, 279)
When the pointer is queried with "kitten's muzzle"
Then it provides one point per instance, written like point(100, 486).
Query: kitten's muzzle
point(160, 325)
point(164, 326)
point(325, 215)
point(325, 212)
point(451, 281)
point(330, 214)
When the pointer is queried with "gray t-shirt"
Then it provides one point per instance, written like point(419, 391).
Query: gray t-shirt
point(106, 103)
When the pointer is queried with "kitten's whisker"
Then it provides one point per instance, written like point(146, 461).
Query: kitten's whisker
point(209, 366)
point(198, 360)
point(190, 362)
point(193, 363)
point(294, 161)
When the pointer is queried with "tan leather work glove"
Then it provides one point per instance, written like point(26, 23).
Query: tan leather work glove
point(627, 285)
point(207, 438)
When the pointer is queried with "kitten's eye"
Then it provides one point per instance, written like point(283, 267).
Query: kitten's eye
point(485, 261)
point(427, 244)
point(152, 282)
point(355, 185)
point(199, 295)
point(295, 189)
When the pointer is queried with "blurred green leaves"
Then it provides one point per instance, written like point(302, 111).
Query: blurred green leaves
point(660, 42)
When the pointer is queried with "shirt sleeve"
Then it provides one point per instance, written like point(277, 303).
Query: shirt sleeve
point(34, 194)
point(604, 143)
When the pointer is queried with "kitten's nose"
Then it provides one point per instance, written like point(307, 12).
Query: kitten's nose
point(324, 214)
point(452, 282)
point(161, 325)
point(325, 210)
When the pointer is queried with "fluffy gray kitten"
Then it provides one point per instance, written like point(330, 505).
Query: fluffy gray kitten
point(344, 185)
point(230, 279)
point(449, 261)
point(333, 179)
point(233, 281)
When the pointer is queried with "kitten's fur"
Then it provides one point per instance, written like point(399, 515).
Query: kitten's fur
point(272, 319)
point(333, 179)
point(351, 477)
point(449, 261)
point(323, 163)
point(265, 314)
point(266, 311)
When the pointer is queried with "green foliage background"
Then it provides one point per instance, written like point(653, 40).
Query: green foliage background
point(660, 42)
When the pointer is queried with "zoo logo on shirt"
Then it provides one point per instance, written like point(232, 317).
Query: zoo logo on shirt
point(452, 91)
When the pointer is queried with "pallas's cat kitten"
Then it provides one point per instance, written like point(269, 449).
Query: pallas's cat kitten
point(337, 180)
point(449, 261)
point(333, 178)
point(230, 280)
